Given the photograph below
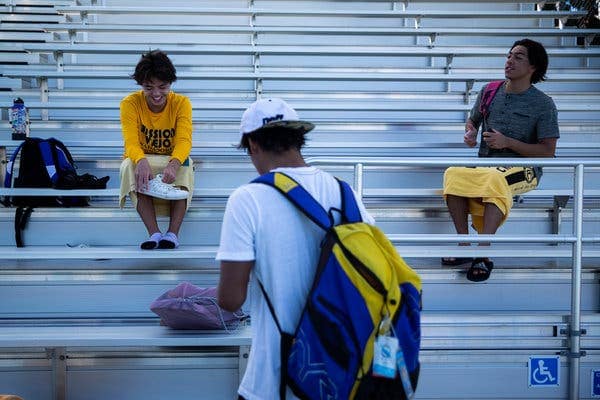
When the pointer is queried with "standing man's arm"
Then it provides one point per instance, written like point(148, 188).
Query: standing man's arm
point(233, 284)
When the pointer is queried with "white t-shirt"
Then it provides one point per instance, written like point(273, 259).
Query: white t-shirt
point(261, 224)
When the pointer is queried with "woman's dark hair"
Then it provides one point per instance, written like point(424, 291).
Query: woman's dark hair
point(154, 65)
point(275, 139)
point(537, 57)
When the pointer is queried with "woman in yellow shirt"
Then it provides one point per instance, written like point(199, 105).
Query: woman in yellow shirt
point(157, 172)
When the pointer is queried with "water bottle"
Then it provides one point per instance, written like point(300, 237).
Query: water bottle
point(19, 119)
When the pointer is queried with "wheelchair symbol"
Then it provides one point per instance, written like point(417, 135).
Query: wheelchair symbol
point(542, 374)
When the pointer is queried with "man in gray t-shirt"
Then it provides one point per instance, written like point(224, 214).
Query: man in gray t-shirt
point(521, 121)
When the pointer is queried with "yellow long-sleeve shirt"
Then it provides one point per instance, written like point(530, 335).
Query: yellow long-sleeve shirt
point(168, 132)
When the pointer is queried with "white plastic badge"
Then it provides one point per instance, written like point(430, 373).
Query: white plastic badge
point(384, 357)
point(406, 384)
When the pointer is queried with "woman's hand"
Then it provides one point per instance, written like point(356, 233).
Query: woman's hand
point(143, 173)
point(170, 171)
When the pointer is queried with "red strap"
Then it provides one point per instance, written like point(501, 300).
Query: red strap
point(489, 92)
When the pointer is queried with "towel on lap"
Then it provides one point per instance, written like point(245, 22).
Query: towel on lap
point(481, 185)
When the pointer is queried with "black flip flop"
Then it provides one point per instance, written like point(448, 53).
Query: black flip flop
point(480, 270)
point(454, 261)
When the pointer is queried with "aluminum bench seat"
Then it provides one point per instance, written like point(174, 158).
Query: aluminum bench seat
point(272, 78)
point(311, 12)
point(33, 6)
point(430, 33)
point(236, 49)
point(224, 192)
point(402, 243)
point(123, 295)
point(318, 99)
point(437, 327)
point(322, 75)
point(44, 17)
point(332, 106)
point(35, 3)
point(15, 37)
point(153, 361)
point(117, 336)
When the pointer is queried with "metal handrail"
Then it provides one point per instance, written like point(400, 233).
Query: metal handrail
point(576, 240)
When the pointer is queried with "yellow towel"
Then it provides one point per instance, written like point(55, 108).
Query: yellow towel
point(184, 179)
point(481, 185)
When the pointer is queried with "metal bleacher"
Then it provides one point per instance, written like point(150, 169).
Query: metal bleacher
point(388, 84)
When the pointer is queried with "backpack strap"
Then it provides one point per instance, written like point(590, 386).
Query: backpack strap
point(306, 203)
point(350, 210)
point(285, 343)
point(22, 215)
point(489, 92)
point(295, 193)
point(10, 166)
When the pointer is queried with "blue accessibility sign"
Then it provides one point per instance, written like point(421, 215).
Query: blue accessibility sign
point(596, 383)
point(544, 371)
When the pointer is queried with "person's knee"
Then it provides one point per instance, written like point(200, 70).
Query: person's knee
point(452, 199)
point(493, 209)
point(144, 202)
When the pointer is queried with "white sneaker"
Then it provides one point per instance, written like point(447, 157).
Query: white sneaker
point(157, 188)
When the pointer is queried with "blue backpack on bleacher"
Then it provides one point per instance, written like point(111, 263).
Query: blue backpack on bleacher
point(363, 295)
point(42, 163)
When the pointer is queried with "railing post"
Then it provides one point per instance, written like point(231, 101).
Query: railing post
point(358, 179)
point(58, 355)
point(575, 328)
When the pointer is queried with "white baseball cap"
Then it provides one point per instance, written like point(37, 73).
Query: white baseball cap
point(269, 113)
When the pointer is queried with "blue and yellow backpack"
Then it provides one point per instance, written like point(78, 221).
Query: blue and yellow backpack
point(362, 290)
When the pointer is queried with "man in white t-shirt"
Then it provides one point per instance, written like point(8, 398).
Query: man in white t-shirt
point(265, 237)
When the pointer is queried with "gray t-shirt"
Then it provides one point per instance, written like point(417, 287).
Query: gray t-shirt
point(528, 117)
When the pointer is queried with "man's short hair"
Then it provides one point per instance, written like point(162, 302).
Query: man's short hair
point(154, 65)
point(274, 125)
point(275, 139)
point(537, 57)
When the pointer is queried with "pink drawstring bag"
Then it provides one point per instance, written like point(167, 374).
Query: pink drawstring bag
point(190, 307)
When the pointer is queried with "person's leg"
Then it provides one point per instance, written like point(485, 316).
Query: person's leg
point(492, 219)
point(145, 208)
point(459, 211)
point(178, 208)
point(170, 239)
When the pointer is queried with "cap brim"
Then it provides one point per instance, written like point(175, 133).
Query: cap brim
point(302, 126)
